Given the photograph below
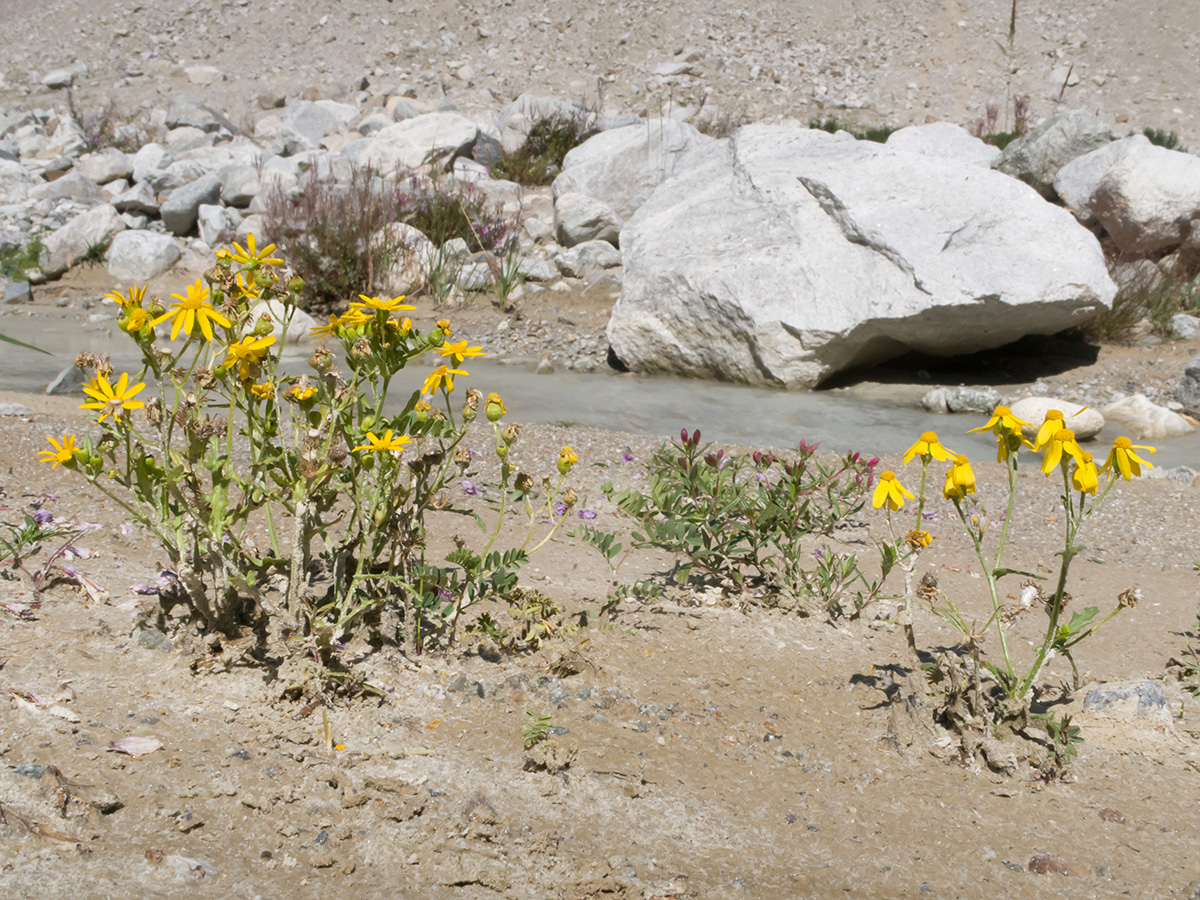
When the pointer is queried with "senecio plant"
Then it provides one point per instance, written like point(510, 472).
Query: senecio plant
point(1007, 705)
point(250, 476)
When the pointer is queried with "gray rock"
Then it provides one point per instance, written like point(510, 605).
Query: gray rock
point(1141, 276)
point(1148, 198)
point(1188, 390)
point(18, 292)
point(134, 257)
point(578, 260)
point(217, 224)
point(184, 139)
point(239, 185)
point(411, 143)
point(1185, 326)
point(16, 409)
point(178, 174)
point(1141, 418)
point(1181, 474)
point(474, 277)
point(1037, 157)
point(1077, 181)
point(96, 227)
point(538, 269)
point(182, 205)
point(790, 254)
point(56, 79)
point(1135, 703)
point(622, 167)
point(579, 218)
point(186, 114)
point(138, 199)
point(402, 110)
point(961, 400)
point(1084, 421)
point(150, 158)
point(306, 123)
point(105, 165)
point(943, 140)
point(70, 187)
point(203, 75)
point(135, 221)
point(68, 381)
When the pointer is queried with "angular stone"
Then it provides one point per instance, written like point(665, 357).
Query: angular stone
point(1142, 419)
point(1077, 181)
point(67, 381)
point(17, 292)
point(1037, 157)
point(217, 224)
point(150, 158)
point(1188, 391)
point(138, 199)
point(411, 254)
point(134, 257)
point(1148, 198)
point(70, 187)
point(182, 205)
point(239, 185)
point(96, 227)
point(579, 218)
point(306, 123)
point(576, 261)
point(413, 142)
point(105, 165)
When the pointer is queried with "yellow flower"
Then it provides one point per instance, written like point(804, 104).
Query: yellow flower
point(132, 297)
point(1085, 479)
point(136, 319)
point(918, 539)
point(327, 330)
point(249, 290)
point(406, 325)
point(890, 491)
point(1062, 441)
point(960, 480)
point(444, 326)
point(192, 309)
point(386, 444)
point(1052, 423)
point(393, 305)
point(110, 399)
point(1002, 422)
point(302, 390)
point(252, 255)
point(264, 391)
point(62, 454)
point(247, 354)
point(1122, 458)
point(460, 351)
point(566, 459)
point(493, 407)
point(928, 446)
point(354, 317)
point(439, 376)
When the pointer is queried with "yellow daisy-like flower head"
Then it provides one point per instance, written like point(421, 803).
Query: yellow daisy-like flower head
point(329, 330)
point(1052, 423)
point(439, 376)
point(393, 305)
point(389, 443)
point(459, 351)
point(890, 491)
point(1002, 422)
point(252, 256)
point(192, 308)
point(134, 319)
point(444, 326)
point(247, 354)
point(918, 539)
point(566, 459)
point(493, 407)
point(131, 298)
point(1085, 479)
point(1122, 458)
point(264, 391)
point(302, 390)
point(63, 454)
point(1060, 443)
point(929, 447)
point(112, 399)
point(960, 479)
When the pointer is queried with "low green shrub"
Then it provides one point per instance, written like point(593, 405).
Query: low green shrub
point(538, 161)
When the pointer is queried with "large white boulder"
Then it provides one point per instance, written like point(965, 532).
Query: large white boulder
point(944, 140)
point(306, 123)
point(623, 166)
point(413, 142)
point(1148, 198)
point(94, 228)
point(579, 218)
point(794, 254)
point(1085, 421)
point(134, 257)
point(1037, 157)
point(1077, 181)
point(1142, 418)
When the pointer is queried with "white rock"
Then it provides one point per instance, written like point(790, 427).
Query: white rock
point(1185, 326)
point(1077, 180)
point(1147, 199)
point(203, 75)
point(517, 118)
point(239, 185)
point(1144, 419)
point(411, 254)
point(182, 205)
point(623, 166)
point(943, 140)
point(1037, 157)
point(793, 254)
point(1084, 421)
point(299, 327)
point(138, 199)
point(150, 158)
point(217, 225)
point(579, 218)
point(98, 226)
point(578, 260)
point(134, 257)
point(306, 123)
point(71, 186)
point(411, 143)
point(105, 165)
point(253, 224)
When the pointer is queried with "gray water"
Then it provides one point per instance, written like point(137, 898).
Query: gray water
point(867, 417)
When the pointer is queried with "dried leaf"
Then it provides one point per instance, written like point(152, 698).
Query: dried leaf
point(63, 713)
point(95, 592)
point(188, 869)
point(137, 747)
point(20, 610)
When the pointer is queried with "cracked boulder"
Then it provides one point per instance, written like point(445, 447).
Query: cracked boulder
point(788, 255)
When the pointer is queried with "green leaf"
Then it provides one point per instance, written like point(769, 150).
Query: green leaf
point(9, 340)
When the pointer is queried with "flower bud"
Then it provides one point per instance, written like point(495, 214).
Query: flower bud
point(511, 433)
point(321, 360)
point(263, 326)
point(569, 497)
point(566, 459)
point(494, 408)
point(523, 483)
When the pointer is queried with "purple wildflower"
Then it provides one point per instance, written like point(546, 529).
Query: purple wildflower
point(819, 553)
point(587, 514)
point(469, 488)
point(43, 516)
point(560, 509)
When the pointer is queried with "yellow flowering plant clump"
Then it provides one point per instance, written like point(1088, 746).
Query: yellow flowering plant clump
point(252, 474)
point(1084, 489)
